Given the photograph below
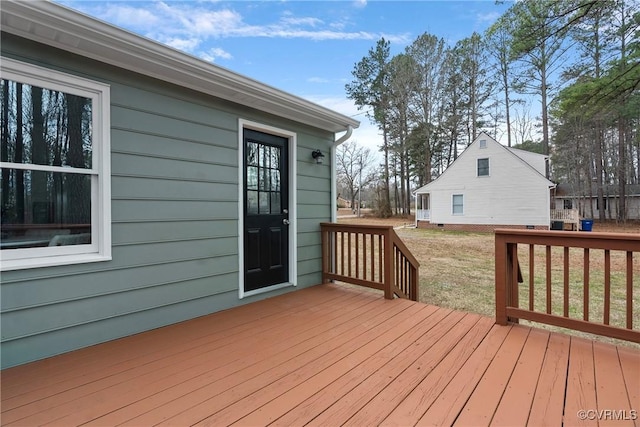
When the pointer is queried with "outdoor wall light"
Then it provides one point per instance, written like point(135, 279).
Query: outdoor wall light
point(317, 156)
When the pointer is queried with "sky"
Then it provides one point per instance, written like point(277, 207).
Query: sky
point(307, 48)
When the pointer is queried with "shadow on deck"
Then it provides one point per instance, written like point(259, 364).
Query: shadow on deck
point(330, 355)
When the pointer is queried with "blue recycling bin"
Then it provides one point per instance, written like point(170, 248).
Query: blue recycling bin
point(586, 224)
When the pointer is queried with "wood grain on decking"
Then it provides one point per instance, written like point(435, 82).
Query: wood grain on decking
point(328, 355)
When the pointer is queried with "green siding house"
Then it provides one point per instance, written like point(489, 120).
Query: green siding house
point(142, 186)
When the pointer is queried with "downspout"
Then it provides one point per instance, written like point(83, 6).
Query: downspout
point(334, 187)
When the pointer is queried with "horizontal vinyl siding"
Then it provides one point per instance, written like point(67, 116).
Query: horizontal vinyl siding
point(512, 194)
point(314, 207)
point(174, 220)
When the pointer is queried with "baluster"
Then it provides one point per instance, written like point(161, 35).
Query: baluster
point(586, 284)
point(357, 236)
point(607, 285)
point(548, 253)
point(364, 256)
point(350, 250)
point(373, 270)
point(380, 263)
point(342, 254)
point(565, 303)
point(629, 290)
point(531, 276)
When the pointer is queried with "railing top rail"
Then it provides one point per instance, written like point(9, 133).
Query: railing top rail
point(355, 227)
point(403, 248)
point(614, 241)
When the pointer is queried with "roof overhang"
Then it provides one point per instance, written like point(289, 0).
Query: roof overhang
point(57, 26)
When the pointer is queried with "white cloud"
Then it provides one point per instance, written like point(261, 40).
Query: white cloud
point(212, 54)
point(181, 24)
point(317, 80)
point(140, 19)
point(301, 21)
point(186, 45)
point(360, 3)
point(490, 17)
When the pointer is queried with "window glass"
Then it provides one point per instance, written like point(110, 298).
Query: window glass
point(55, 199)
point(263, 175)
point(50, 128)
point(458, 204)
point(45, 127)
point(483, 167)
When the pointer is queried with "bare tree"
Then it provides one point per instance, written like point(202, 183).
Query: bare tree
point(354, 166)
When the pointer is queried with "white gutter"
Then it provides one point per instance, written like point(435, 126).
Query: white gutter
point(334, 188)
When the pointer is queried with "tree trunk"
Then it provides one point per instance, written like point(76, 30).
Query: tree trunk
point(622, 172)
point(40, 156)
point(4, 153)
point(385, 210)
point(20, 202)
point(78, 209)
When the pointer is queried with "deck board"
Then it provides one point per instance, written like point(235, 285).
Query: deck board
point(515, 405)
point(581, 384)
point(484, 400)
point(548, 401)
point(328, 355)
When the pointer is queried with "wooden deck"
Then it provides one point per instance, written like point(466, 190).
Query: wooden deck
point(331, 356)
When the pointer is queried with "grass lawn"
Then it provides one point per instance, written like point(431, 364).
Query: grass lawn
point(457, 271)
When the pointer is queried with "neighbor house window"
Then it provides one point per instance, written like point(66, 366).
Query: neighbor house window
point(483, 143)
point(483, 167)
point(458, 204)
point(55, 196)
point(568, 204)
point(604, 207)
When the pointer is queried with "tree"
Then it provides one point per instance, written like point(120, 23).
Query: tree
point(539, 45)
point(499, 40)
point(354, 168)
point(428, 54)
point(369, 89)
point(403, 83)
point(476, 85)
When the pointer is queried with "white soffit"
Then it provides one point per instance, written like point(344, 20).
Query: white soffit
point(54, 25)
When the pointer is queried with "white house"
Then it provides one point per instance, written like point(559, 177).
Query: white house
point(489, 186)
point(585, 200)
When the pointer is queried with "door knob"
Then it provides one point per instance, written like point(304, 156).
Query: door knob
point(285, 221)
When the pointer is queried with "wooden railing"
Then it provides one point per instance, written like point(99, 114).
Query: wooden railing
point(580, 281)
point(423, 214)
point(371, 256)
point(567, 216)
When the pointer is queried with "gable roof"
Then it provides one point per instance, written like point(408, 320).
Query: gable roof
point(484, 135)
point(57, 26)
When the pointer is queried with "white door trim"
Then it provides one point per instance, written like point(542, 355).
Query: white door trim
point(293, 218)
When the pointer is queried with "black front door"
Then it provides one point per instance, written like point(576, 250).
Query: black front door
point(266, 215)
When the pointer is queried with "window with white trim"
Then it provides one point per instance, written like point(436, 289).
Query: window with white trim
point(55, 194)
point(483, 167)
point(457, 204)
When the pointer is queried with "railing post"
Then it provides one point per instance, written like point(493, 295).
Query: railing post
point(326, 251)
point(501, 280)
point(388, 263)
point(414, 284)
point(512, 278)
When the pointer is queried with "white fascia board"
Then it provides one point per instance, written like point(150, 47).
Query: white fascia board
point(55, 25)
